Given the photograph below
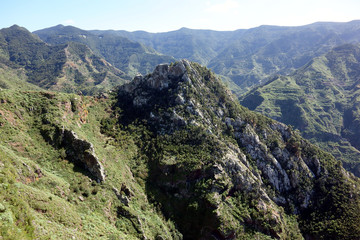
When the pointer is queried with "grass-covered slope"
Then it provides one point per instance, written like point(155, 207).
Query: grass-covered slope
point(86, 72)
point(69, 67)
point(267, 50)
point(196, 45)
point(321, 100)
point(15, 78)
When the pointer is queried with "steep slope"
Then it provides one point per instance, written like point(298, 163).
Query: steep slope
point(86, 72)
point(15, 78)
point(321, 100)
point(128, 56)
point(72, 67)
point(61, 178)
point(220, 171)
point(22, 49)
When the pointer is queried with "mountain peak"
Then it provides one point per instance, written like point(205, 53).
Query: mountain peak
point(161, 78)
point(180, 88)
point(17, 27)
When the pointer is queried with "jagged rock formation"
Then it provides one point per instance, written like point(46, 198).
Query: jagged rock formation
point(183, 160)
point(77, 150)
point(220, 171)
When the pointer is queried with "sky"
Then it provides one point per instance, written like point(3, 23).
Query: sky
point(166, 15)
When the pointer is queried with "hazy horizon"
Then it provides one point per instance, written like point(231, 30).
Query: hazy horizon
point(160, 16)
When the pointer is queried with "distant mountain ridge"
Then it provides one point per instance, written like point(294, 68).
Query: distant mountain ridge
point(196, 45)
point(171, 154)
point(129, 56)
point(246, 57)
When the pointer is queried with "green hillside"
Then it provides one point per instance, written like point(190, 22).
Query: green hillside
point(11, 78)
point(128, 56)
point(69, 67)
point(87, 152)
point(46, 193)
point(269, 50)
point(196, 45)
point(321, 100)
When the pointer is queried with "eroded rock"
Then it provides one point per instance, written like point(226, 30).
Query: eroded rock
point(82, 151)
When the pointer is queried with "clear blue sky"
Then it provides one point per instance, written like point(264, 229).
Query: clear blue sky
point(167, 15)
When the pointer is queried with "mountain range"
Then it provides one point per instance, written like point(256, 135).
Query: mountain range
point(108, 135)
point(247, 57)
point(244, 58)
point(129, 56)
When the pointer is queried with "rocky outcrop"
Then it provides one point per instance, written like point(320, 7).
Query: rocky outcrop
point(82, 151)
point(77, 150)
point(162, 77)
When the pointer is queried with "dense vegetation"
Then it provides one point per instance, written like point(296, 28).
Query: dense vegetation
point(46, 195)
point(175, 167)
point(197, 45)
